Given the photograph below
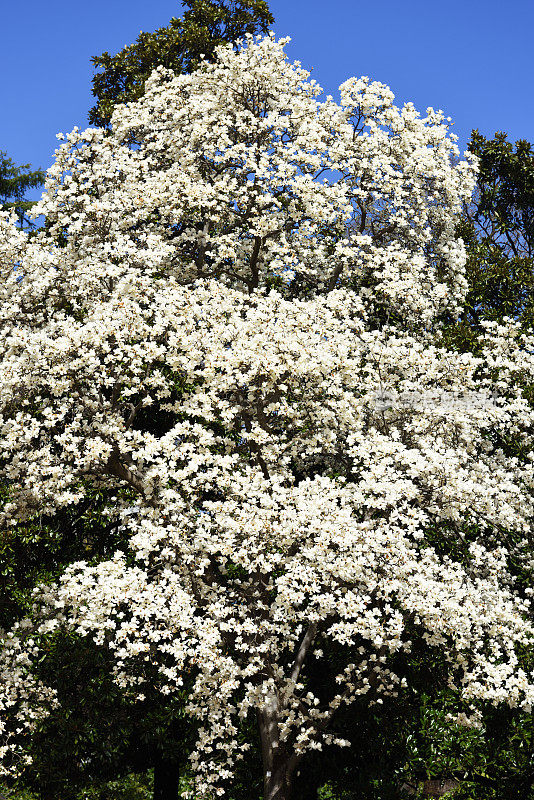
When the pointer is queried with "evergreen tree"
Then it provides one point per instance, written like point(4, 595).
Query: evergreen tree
point(179, 46)
point(14, 183)
point(498, 228)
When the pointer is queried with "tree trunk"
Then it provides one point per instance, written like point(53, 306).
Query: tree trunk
point(278, 764)
point(166, 780)
point(277, 783)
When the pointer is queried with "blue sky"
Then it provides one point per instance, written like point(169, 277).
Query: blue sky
point(471, 58)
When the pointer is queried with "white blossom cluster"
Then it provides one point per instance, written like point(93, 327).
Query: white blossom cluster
point(227, 282)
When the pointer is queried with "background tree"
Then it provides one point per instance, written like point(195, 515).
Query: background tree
point(498, 228)
point(178, 46)
point(15, 181)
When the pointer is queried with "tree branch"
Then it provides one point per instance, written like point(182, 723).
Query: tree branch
point(305, 645)
point(116, 468)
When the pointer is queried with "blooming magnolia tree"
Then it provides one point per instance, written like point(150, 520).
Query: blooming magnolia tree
point(232, 321)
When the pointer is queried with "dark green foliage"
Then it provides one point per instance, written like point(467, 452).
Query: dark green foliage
point(498, 228)
point(14, 183)
point(100, 734)
point(406, 747)
point(179, 46)
point(504, 203)
point(39, 550)
point(136, 786)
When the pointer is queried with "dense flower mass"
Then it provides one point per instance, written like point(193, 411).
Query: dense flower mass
point(234, 311)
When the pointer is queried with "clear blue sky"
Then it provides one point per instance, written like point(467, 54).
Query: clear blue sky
point(472, 58)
